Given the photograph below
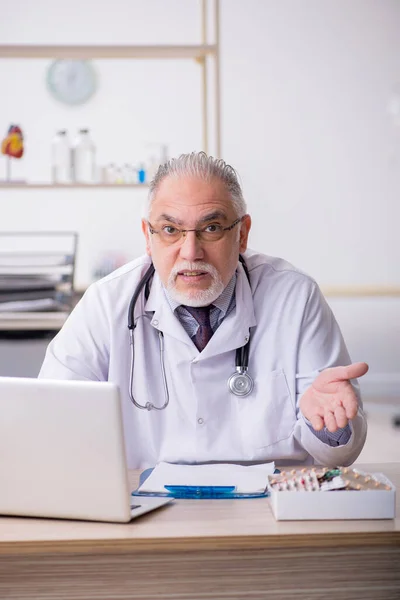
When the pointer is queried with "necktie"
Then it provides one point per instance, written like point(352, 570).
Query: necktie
point(204, 332)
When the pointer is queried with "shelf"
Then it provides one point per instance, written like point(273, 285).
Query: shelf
point(33, 321)
point(198, 52)
point(365, 291)
point(68, 186)
point(93, 52)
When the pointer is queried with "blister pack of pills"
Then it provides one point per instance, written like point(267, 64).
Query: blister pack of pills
point(325, 480)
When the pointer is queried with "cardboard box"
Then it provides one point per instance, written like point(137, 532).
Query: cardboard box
point(369, 504)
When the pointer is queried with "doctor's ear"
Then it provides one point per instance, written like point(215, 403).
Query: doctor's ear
point(146, 233)
point(245, 227)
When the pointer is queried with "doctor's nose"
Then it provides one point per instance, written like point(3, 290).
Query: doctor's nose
point(191, 248)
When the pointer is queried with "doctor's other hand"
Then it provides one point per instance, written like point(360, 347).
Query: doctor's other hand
point(331, 401)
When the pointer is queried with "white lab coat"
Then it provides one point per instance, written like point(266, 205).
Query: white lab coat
point(294, 336)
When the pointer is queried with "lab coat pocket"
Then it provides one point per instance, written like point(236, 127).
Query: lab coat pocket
point(268, 415)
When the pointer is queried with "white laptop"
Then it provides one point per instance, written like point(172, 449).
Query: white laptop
point(62, 452)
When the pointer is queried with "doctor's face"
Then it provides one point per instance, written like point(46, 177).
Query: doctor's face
point(194, 267)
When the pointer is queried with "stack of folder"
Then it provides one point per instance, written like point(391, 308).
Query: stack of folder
point(36, 272)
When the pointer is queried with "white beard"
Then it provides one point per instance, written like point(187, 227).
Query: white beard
point(195, 298)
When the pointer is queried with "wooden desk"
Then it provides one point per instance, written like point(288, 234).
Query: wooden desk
point(202, 549)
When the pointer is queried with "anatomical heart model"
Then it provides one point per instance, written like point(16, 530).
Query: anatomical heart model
point(12, 147)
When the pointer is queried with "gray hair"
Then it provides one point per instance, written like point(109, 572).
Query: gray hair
point(198, 164)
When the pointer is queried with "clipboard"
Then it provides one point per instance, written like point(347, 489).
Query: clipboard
point(201, 492)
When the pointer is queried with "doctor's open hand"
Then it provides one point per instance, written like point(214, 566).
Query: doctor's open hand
point(331, 401)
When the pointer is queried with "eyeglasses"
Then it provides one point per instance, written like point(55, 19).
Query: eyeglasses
point(169, 234)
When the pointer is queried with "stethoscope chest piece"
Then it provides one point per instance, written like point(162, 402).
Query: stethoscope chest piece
point(240, 383)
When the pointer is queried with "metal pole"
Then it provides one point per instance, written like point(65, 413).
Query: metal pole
point(203, 62)
point(217, 80)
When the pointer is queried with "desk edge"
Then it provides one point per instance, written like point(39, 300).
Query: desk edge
point(196, 544)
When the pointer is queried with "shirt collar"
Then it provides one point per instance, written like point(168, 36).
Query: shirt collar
point(222, 302)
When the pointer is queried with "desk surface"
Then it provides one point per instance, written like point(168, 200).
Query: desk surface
point(199, 525)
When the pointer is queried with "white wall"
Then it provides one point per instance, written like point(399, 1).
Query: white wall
point(305, 89)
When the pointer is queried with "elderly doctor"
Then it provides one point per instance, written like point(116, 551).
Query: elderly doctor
point(235, 356)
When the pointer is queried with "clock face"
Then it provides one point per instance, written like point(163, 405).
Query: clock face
point(71, 81)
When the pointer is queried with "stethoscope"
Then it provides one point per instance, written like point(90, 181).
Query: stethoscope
point(240, 382)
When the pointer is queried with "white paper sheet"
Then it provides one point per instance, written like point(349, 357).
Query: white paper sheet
point(246, 479)
point(30, 305)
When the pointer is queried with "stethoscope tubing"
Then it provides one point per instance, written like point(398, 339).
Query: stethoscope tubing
point(240, 383)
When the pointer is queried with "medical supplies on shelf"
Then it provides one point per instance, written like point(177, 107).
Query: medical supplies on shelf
point(75, 163)
point(289, 503)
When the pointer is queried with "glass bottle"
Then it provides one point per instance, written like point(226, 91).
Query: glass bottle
point(61, 158)
point(84, 153)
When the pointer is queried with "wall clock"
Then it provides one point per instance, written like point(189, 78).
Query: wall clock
point(71, 81)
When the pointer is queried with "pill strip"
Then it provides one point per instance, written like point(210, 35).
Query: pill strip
point(325, 480)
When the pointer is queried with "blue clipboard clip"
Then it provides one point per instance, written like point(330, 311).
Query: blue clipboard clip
point(201, 492)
